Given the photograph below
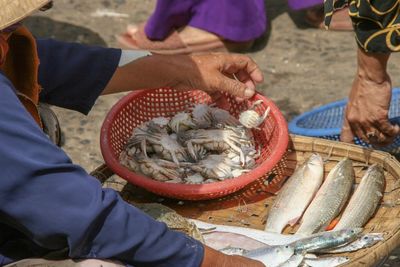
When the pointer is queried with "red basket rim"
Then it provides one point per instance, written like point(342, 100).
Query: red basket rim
point(191, 191)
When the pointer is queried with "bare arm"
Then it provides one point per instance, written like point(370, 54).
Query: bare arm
point(216, 258)
point(208, 72)
point(376, 30)
point(369, 101)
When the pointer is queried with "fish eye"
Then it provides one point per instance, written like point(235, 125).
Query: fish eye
point(286, 246)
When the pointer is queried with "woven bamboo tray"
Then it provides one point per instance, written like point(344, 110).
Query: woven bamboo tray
point(249, 207)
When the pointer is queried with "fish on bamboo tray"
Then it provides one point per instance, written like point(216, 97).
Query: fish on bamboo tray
point(250, 206)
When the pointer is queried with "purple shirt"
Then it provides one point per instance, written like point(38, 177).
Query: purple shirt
point(47, 203)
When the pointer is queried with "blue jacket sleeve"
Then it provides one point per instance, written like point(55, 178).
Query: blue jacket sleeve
point(57, 204)
point(73, 75)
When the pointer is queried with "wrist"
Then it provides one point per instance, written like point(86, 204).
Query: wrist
point(173, 70)
point(209, 257)
point(372, 66)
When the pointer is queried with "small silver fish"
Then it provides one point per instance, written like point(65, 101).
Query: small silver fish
point(293, 261)
point(296, 194)
point(271, 256)
point(365, 200)
point(324, 240)
point(233, 251)
point(268, 238)
point(330, 198)
point(365, 241)
point(325, 262)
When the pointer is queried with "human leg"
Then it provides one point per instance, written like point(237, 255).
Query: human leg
point(314, 15)
point(192, 26)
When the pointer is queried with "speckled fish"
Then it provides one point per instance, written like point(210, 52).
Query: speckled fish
point(365, 241)
point(325, 262)
point(330, 198)
point(293, 261)
point(271, 256)
point(233, 251)
point(296, 194)
point(268, 238)
point(325, 240)
point(363, 203)
point(172, 219)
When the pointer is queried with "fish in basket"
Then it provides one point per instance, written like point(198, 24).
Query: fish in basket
point(321, 201)
point(358, 225)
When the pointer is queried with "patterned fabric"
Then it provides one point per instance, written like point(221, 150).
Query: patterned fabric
point(376, 22)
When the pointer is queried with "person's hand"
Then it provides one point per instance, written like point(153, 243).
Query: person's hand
point(214, 258)
point(369, 101)
point(211, 72)
point(217, 72)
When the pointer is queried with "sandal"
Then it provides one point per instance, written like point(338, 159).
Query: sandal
point(135, 38)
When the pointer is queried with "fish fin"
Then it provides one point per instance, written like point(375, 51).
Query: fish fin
point(332, 225)
point(294, 221)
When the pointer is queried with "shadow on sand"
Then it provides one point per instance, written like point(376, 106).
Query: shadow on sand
point(43, 27)
point(273, 9)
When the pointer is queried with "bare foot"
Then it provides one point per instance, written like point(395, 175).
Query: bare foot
point(340, 20)
point(191, 35)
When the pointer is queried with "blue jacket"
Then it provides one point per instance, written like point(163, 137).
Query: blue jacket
point(47, 203)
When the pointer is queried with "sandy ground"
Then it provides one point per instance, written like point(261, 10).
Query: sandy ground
point(303, 67)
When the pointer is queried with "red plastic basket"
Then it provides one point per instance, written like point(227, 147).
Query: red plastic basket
point(140, 106)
